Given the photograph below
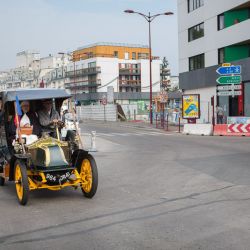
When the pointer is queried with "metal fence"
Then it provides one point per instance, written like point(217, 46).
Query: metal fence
point(97, 112)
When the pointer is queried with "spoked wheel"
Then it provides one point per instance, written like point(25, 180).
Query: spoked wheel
point(89, 176)
point(22, 184)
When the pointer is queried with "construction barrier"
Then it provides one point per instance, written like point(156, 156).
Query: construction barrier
point(198, 129)
point(232, 129)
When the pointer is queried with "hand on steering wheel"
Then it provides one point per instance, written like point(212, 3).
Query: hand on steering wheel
point(58, 123)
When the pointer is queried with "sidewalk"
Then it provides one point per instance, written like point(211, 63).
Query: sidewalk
point(135, 124)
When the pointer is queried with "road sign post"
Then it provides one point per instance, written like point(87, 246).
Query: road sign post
point(229, 70)
point(104, 103)
point(229, 79)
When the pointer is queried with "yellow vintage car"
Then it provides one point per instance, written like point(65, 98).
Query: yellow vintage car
point(47, 162)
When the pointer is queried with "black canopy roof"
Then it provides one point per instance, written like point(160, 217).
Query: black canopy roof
point(9, 95)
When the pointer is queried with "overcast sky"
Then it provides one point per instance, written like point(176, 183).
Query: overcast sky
point(52, 26)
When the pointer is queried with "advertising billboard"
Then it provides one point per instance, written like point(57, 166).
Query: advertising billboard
point(191, 106)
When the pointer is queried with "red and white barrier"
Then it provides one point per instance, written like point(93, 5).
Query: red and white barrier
point(238, 128)
point(232, 129)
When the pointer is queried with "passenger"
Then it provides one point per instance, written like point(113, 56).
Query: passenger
point(28, 119)
point(48, 116)
point(63, 115)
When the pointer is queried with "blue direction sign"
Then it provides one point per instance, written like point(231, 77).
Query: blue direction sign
point(231, 70)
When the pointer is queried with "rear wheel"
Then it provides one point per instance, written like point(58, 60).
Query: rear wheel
point(89, 175)
point(22, 184)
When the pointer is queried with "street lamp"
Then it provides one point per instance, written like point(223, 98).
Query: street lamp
point(149, 19)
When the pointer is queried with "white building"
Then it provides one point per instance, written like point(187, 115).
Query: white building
point(210, 33)
point(31, 70)
point(122, 75)
point(25, 58)
point(125, 67)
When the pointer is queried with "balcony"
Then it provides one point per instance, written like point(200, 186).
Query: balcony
point(130, 71)
point(84, 56)
point(130, 83)
point(83, 72)
point(82, 84)
point(147, 57)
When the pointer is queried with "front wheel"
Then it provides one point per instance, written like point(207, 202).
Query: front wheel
point(89, 175)
point(22, 183)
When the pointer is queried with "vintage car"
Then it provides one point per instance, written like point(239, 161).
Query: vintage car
point(47, 162)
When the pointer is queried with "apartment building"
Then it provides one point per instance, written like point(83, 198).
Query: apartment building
point(125, 67)
point(32, 69)
point(211, 33)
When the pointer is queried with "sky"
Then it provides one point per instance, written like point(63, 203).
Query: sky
point(52, 26)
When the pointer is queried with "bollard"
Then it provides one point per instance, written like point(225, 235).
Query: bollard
point(93, 144)
point(167, 122)
point(179, 124)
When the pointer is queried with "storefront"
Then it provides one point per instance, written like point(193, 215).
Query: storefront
point(204, 82)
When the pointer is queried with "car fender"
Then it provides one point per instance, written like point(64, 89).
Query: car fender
point(22, 157)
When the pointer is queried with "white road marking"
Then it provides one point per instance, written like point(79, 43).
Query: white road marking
point(128, 134)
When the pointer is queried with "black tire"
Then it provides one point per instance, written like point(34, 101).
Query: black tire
point(2, 181)
point(90, 193)
point(71, 138)
point(23, 182)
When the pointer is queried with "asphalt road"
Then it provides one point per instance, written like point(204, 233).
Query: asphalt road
point(156, 191)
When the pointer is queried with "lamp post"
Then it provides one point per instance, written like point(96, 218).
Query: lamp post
point(149, 19)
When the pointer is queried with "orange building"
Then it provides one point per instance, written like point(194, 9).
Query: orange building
point(112, 50)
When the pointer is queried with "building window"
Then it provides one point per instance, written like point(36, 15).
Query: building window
point(194, 4)
point(134, 55)
point(196, 62)
point(116, 54)
point(126, 55)
point(143, 56)
point(92, 65)
point(221, 56)
point(221, 22)
point(196, 32)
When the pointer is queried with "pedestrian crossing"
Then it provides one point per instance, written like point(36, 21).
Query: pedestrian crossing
point(139, 134)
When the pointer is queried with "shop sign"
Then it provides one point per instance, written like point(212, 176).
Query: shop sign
point(191, 106)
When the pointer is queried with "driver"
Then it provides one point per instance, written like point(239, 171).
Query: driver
point(48, 116)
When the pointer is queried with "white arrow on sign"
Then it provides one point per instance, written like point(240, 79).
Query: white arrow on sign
point(229, 87)
point(228, 93)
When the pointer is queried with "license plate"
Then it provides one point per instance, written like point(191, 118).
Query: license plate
point(58, 177)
